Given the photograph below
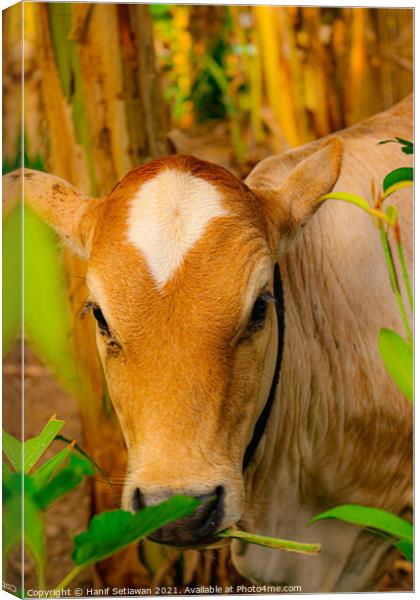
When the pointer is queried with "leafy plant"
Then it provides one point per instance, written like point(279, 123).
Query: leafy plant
point(391, 344)
point(40, 488)
point(396, 352)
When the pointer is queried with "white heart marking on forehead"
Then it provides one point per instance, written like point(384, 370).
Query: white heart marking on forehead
point(168, 214)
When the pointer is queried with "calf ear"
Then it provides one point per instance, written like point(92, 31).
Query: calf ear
point(289, 187)
point(67, 210)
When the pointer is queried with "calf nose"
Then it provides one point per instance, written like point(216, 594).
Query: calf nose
point(198, 528)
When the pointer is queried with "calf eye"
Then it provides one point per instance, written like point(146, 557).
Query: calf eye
point(102, 324)
point(259, 311)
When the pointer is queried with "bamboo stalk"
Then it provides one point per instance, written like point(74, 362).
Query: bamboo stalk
point(12, 19)
point(101, 75)
point(275, 76)
point(65, 57)
point(150, 91)
point(66, 156)
point(358, 91)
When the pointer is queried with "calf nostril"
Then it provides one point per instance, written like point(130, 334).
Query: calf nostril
point(220, 491)
point(138, 500)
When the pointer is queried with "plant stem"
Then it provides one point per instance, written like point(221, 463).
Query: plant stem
point(357, 201)
point(262, 540)
point(405, 275)
point(69, 577)
point(394, 282)
point(41, 578)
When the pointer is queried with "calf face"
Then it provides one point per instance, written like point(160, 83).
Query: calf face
point(180, 260)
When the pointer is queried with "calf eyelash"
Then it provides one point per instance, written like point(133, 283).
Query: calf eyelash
point(86, 308)
point(269, 298)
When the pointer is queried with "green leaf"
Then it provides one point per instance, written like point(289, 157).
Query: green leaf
point(47, 308)
point(34, 536)
point(406, 549)
point(12, 277)
point(111, 531)
point(271, 542)
point(13, 450)
point(12, 525)
point(403, 175)
point(12, 486)
point(5, 469)
point(42, 475)
point(397, 357)
point(64, 481)
point(35, 447)
point(373, 518)
point(407, 147)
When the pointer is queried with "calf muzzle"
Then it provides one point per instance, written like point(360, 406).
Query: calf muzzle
point(198, 529)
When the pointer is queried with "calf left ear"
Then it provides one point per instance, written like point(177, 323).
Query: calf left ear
point(289, 189)
point(67, 210)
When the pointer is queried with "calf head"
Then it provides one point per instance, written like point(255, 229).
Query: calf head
point(180, 260)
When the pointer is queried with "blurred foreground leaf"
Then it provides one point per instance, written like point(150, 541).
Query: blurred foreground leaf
point(12, 277)
point(47, 310)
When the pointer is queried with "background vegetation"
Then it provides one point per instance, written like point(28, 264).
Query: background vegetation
point(110, 86)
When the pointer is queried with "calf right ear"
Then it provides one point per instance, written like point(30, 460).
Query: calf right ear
point(69, 212)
